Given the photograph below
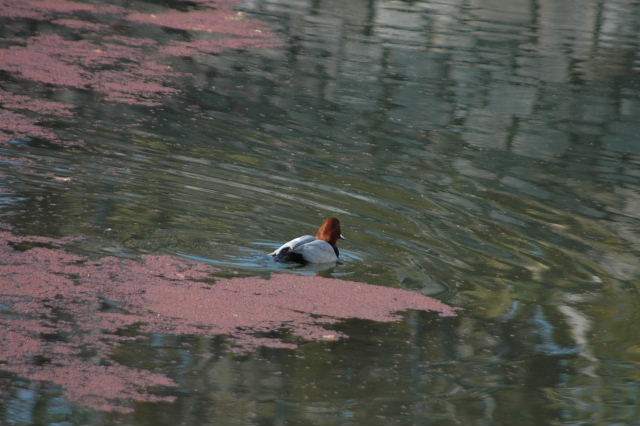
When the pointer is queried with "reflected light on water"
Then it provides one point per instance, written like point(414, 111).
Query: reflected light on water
point(484, 153)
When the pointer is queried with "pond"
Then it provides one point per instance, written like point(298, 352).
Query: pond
point(481, 155)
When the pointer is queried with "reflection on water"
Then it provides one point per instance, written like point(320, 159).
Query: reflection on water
point(480, 152)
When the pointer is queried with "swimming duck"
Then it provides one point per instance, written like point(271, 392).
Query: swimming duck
point(309, 249)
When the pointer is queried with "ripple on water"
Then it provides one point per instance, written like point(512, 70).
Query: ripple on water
point(51, 292)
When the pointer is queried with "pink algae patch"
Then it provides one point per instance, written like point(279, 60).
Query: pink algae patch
point(53, 60)
point(130, 70)
point(290, 301)
point(12, 101)
point(39, 280)
point(38, 9)
point(20, 116)
point(16, 126)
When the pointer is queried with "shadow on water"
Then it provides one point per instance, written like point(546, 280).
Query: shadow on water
point(482, 153)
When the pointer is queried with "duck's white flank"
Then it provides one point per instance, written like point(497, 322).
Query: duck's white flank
point(309, 249)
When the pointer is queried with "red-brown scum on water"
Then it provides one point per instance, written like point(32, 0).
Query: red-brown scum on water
point(159, 294)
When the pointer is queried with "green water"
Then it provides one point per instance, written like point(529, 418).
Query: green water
point(483, 153)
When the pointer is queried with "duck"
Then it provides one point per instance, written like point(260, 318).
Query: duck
point(320, 248)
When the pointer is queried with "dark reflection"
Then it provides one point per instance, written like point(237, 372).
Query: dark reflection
point(425, 370)
point(482, 152)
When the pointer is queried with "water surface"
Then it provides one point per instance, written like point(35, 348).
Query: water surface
point(482, 153)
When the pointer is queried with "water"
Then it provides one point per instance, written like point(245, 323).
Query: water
point(483, 153)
